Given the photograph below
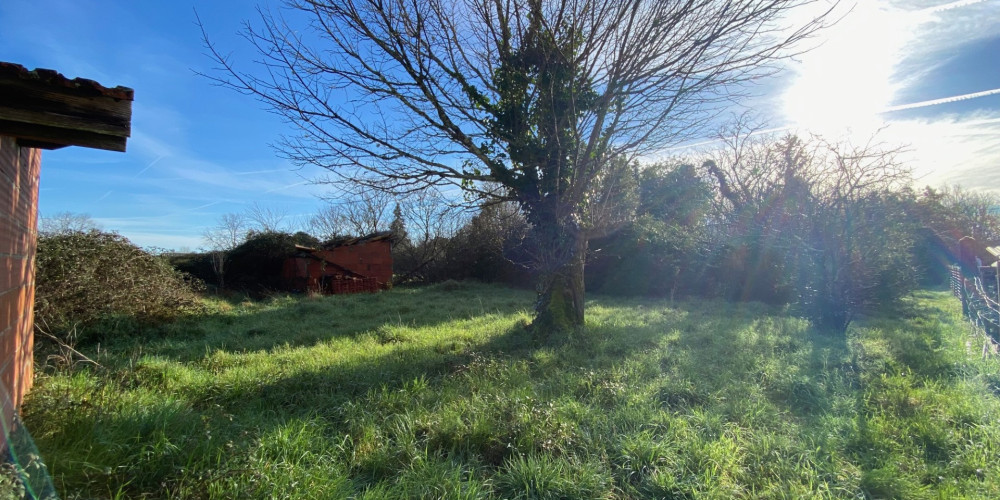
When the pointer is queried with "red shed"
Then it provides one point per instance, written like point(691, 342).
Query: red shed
point(356, 265)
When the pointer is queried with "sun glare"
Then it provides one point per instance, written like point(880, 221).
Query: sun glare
point(966, 144)
point(841, 86)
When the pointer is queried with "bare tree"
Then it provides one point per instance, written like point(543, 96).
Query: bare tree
point(538, 96)
point(978, 211)
point(823, 222)
point(228, 233)
point(267, 219)
point(219, 260)
point(329, 222)
point(428, 214)
point(65, 223)
point(430, 223)
point(859, 239)
point(368, 211)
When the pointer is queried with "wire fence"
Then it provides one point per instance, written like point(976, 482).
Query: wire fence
point(980, 305)
point(23, 473)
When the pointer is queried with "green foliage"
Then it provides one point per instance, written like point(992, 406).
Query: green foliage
point(398, 226)
point(440, 392)
point(542, 95)
point(635, 260)
point(84, 279)
point(489, 248)
point(198, 265)
point(826, 226)
point(544, 477)
point(663, 249)
point(674, 192)
point(945, 216)
point(256, 264)
point(305, 239)
point(859, 257)
point(11, 485)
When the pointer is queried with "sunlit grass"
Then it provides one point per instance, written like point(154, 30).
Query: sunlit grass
point(440, 393)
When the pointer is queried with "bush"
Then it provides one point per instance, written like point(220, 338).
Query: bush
point(83, 278)
point(648, 257)
point(490, 249)
point(255, 266)
point(198, 265)
point(663, 249)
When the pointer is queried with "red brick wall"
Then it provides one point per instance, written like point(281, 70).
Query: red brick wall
point(302, 273)
point(19, 168)
point(372, 259)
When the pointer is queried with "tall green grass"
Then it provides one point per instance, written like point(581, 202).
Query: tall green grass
point(440, 392)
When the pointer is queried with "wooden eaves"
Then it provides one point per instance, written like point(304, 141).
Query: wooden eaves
point(44, 109)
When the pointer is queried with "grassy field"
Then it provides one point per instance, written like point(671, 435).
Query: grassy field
point(439, 393)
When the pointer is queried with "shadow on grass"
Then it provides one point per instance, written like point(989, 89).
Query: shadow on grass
point(312, 392)
point(242, 326)
point(733, 351)
point(152, 445)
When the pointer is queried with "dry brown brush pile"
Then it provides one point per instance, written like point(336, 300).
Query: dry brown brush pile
point(84, 279)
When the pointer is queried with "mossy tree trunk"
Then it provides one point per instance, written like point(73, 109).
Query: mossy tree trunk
point(561, 248)
point(559, 307)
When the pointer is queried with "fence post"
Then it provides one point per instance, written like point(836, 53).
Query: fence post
point(964, 292)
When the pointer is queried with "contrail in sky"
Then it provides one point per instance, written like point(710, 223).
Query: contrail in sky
point(901, 107)
point(943, 100)
point(286, 187)
point(202, 206)
point(949, 6)
point(158, 158)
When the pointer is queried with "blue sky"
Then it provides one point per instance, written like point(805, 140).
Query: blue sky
point(198, 151)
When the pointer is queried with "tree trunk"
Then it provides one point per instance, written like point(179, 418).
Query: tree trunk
point(219, 266)
point(676, 283)
point(559, 308)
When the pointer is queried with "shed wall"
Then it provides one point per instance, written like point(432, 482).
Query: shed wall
point(302, 274)
point(19, 171)
point(372, 259)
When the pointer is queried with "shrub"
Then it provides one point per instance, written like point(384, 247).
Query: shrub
point(85, 277)
point(255, 265)
point(198, 265)
point(663, 250)
point(648, 257)
point(490, 249)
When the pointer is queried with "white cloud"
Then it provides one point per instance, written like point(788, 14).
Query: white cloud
point(944, 26)
point(952, 149)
